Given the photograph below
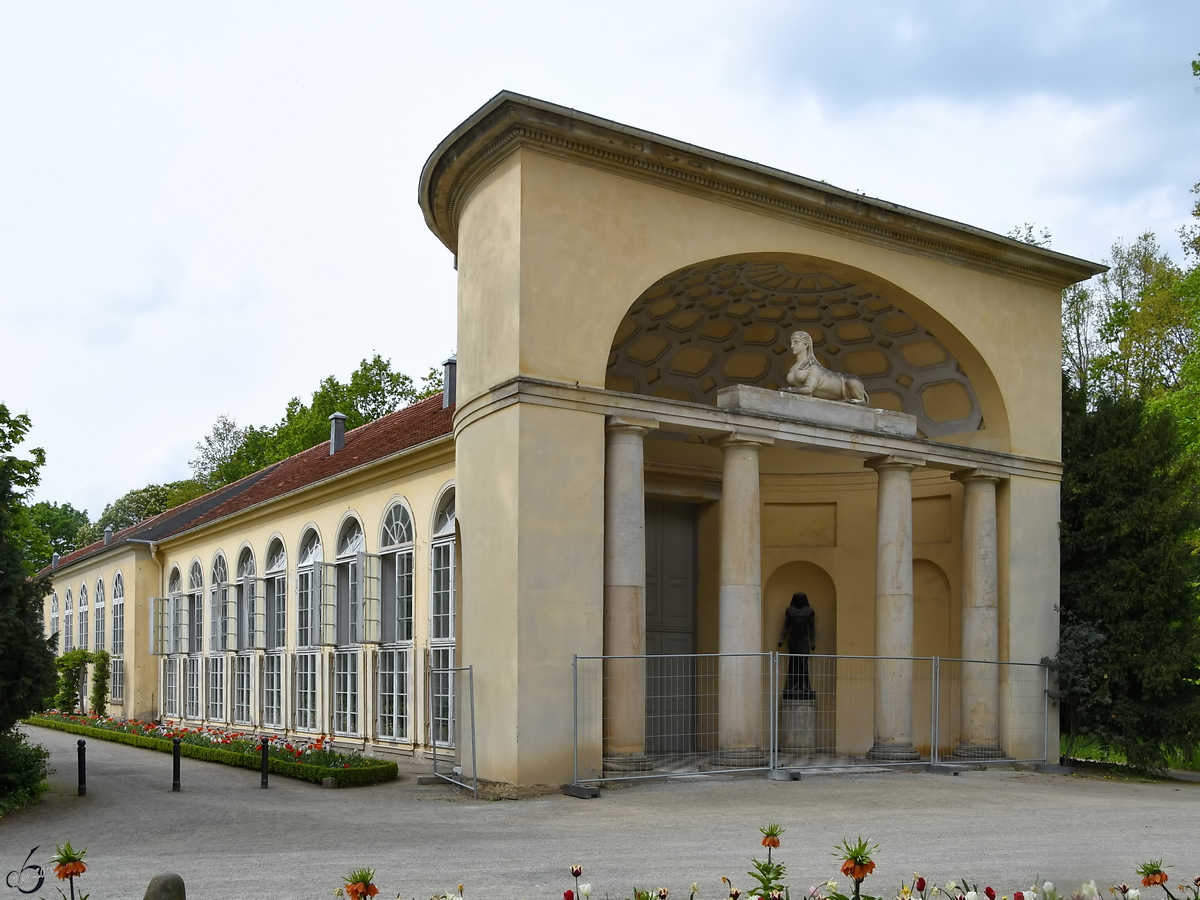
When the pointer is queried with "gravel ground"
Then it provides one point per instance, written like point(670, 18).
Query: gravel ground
point(228, 838)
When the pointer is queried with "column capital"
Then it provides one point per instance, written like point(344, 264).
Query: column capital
point(740, 439)
point(630, 424)
point(907, 463)
point(986, 476)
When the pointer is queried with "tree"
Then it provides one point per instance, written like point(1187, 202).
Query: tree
point(374, 390)
point(46, 528)
point(1130, 511)
point(26, 656)
point(27, 673)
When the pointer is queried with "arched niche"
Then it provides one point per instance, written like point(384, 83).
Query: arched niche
point(933, 635)
point(728, 321)
point(932, 617)
point(804, 576)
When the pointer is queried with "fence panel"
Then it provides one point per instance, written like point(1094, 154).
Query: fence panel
point(678, 714)
point(452, 691)
point(992, 711)
point(831, 709)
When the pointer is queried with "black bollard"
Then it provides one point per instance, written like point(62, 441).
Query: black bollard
point(82, 767)
point(175, 765)
point(264, 761)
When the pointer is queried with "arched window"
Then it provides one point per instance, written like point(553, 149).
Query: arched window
point(218, 641)
point(351, 540)
point(68, 621)
point(117, 685)
point(54, 613)
point(178, 629)
point(354, 569)
point(195, 601)
point(251, 623)
point(276, 596)
point(395, 656)
point(308, 588)
point(83, 617)
point(442, 619)
point(98, 607)
point(219, 609)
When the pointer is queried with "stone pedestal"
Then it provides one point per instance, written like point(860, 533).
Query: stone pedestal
point(798, 725)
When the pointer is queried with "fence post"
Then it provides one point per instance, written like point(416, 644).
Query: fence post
point(936, 700)
point(773, 681)
point(82, 767)
point(265, 747)
point(175, 765)
point(1046, 719)
point(574, 714)
point(474, 755)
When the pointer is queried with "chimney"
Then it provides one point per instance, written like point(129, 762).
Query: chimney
point(107, 535)
point(337, 433)
point(449, 377)
point(54, 561)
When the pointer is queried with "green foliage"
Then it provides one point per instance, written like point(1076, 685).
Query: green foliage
point(1130, 510)
point(44, 529)
point(101, 674)
point(372, 772)
point(230, 452)
point(23, 770)
point(26, 656)
point(70, 668)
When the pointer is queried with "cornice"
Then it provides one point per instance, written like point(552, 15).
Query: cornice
point(510, 121)
point(712, 422)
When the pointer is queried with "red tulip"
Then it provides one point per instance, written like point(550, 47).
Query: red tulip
point(920, 886)
point(576, 871)
point(568, 895)
point(1019, 895)
point(991, 895)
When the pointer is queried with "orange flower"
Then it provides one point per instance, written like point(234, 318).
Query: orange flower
point(66, 870)
point(857, 870)
point(1157, 878)
point(770, 840)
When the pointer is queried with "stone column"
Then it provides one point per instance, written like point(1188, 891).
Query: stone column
point(625, 594)
point(894, 610)
point(741, 679)
point(980, 618)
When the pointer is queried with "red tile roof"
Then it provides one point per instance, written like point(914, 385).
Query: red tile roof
point(405, 428)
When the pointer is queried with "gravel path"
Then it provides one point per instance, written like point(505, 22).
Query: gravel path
point(227, 837)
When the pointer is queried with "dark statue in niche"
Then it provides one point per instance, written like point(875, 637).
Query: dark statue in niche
point(800, 631)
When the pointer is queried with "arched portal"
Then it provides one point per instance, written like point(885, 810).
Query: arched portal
point(729, 321)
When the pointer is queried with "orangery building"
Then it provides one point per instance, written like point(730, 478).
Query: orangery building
point(690, 394)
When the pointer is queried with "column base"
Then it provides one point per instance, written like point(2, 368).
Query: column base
point(740, 758)
point(893, 753)
point(628, 762)
point(973, 750)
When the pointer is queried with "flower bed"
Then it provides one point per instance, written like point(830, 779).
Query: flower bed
point(308, 760)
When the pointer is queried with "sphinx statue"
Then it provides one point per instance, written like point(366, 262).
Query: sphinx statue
point(810, 378)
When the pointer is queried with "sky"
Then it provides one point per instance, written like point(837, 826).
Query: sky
point(207, 208)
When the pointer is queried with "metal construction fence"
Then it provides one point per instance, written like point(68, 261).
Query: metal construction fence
point(671, 715)
point(452, 726)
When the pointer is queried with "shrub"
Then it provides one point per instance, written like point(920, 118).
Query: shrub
point(101, 673)
point(23, 770)
point(70, 672)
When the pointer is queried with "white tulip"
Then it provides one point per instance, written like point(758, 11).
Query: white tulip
point(1048, 888)
point(585, 890)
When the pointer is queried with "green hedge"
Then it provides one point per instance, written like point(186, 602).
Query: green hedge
point(373, 773)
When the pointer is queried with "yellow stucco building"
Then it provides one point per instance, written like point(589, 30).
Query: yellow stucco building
point(621, 473)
